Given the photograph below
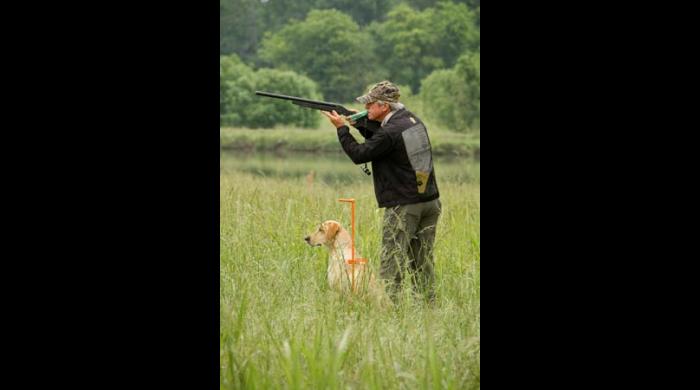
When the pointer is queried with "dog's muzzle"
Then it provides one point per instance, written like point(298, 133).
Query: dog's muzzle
point(308, 241)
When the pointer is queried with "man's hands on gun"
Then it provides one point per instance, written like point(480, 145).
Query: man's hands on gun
point(338, 120)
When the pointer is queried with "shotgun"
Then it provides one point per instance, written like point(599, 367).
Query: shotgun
point(317, 105)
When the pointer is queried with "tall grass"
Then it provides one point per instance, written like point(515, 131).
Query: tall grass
point(280, 325)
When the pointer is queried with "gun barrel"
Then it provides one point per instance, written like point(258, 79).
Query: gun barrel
point(324, 106)
point(292, 98)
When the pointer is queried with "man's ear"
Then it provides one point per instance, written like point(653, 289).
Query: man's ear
point(331, 229)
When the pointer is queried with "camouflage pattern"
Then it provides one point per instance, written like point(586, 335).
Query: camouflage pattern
point(384, 91)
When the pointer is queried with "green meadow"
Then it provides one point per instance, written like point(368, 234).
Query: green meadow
point(280, 325)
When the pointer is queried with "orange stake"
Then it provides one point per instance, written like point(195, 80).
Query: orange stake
point(352, 260)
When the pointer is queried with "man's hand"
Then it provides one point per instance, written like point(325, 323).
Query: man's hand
point(354, 111)
point(335, 118)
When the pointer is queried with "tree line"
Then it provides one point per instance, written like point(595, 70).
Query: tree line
point(334, 49)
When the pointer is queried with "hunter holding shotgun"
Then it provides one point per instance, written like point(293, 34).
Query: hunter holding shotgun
point(397, 144)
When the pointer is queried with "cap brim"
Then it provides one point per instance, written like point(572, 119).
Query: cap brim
point(364, 99)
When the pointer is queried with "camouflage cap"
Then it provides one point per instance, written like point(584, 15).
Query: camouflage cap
point(384, 91)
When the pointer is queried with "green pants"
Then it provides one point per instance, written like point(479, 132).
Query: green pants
point(407, 246)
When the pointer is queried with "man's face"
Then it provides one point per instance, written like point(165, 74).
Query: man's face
point(377, 111)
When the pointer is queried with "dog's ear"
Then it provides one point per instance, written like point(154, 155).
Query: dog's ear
point(331, 229)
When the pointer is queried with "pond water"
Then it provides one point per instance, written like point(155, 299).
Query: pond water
point(335, 168)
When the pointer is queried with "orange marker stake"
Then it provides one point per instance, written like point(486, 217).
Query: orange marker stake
point(352, 260)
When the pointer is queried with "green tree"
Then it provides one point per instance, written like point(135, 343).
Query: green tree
point(242, 23)
point(362, 11)
point(239, 27)
point(452, 97)
point(268, 112)
point(412, 43)
point(239, 106)
point(329, 48)
point(422, 4)
point(468, 70)
point(236, 81)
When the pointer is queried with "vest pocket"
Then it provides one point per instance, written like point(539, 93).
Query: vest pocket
point(422, 181)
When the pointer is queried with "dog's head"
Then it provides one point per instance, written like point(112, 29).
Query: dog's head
point(324, 234)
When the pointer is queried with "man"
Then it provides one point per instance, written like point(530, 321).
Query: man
point(397, 144)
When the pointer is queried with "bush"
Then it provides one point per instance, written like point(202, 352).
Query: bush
point(234, 86)
point(452, 97)
point(267, 112)
point(239, 106)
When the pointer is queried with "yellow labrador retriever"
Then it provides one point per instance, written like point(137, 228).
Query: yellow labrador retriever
point(340, 271)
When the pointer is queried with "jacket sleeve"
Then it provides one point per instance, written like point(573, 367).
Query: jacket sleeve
point(374, 147)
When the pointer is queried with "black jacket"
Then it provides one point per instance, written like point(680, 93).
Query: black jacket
point(401, 156)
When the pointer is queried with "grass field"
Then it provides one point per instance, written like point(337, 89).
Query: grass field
point(280, 326)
